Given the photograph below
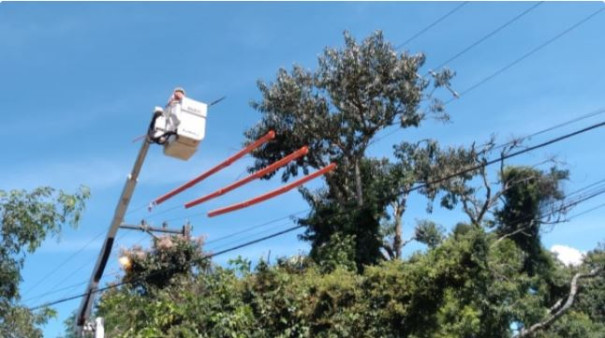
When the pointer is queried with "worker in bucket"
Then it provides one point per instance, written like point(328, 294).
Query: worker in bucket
point(177, 95)
point(160, 137)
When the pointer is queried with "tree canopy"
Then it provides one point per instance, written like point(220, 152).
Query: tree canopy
point(27, 218)
point(337, 111)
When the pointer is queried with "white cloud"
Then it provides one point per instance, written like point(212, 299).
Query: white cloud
point(567, 255)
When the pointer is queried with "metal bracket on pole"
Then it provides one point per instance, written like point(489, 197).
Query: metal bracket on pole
point(143, 226)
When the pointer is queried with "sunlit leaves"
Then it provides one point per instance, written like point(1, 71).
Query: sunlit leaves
point(27, 219)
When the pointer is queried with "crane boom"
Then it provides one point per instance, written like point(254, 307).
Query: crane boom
point(118, 218)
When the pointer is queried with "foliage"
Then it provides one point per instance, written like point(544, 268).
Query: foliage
point(429, 233)
point(526, 208)
point(168, 257)
point(27, 219)
point(337, 111)
point(471, 284)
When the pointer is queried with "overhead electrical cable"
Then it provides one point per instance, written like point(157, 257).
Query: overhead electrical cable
point(509, 65)
point(528, 54)
point(209, 256)
point(432, 24)
point(507, 156)
point(586, 211)
point(60, 265)
point(255, 227)
point(72, 272)
point(270, 230)
point(490, 34)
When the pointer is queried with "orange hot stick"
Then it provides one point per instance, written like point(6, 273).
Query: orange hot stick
point(270, 168)
point(269, 136)
point(273, 193)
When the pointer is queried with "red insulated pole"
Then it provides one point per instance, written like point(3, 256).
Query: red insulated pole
point(273, 193)
point(270, 168)
point(269, 136)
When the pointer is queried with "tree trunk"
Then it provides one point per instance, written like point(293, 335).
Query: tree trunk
point(397, 240)
point(398, 210)
point(359, 190)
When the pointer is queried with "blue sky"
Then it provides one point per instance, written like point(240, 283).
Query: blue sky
point(78, 82)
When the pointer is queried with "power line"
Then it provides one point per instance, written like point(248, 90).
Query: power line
point(70, 275)
point(140, 240)
point(209, 256)
point(511, 64)
point(257, 240)
point(568, 122)
point(594, 184)
point(579, 118)
point(565, 206)
point(528, 54)
point(69, 287)
point(256, 227)
point(586, 211)
point(165, 211)
point(431, 25)
point(490, 34)
point(56, 268)
point(507, 156)
point(260, 233)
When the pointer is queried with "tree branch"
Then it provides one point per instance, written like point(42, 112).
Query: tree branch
point(573, 290)
point(521, 229)
point(488, 199)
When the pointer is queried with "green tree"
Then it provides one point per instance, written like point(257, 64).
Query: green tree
point(526, 207)
point(470, 284)
point(337, 110)
point(27, 218)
